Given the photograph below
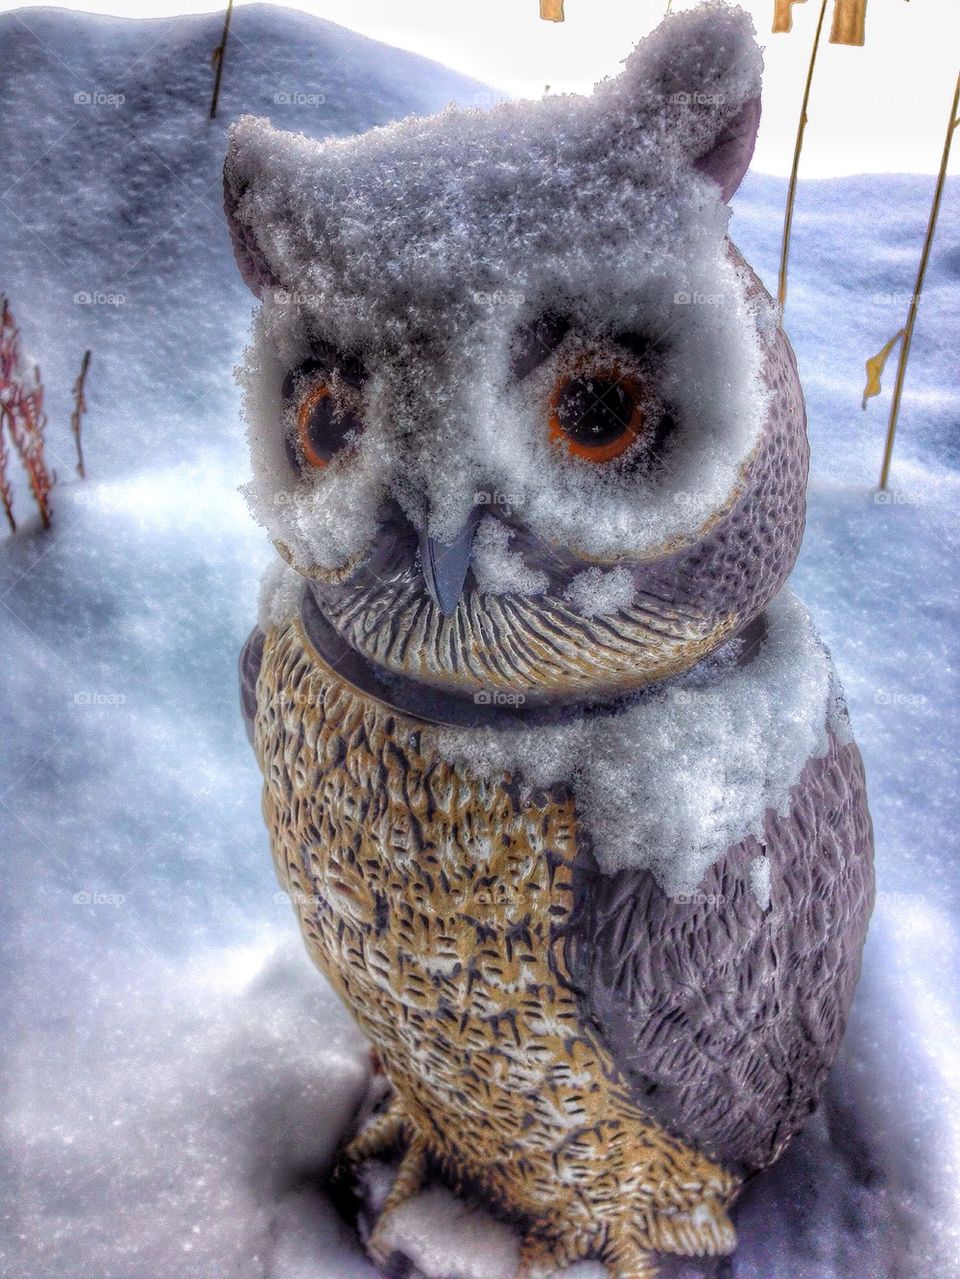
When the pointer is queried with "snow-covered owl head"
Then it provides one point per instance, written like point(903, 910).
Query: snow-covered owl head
point(518, 409)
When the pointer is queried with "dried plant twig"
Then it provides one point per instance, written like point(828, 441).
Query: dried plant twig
point(6, 493)
point(21, 397)
point(216, 60)
point(792, 188)
point(79, 408)
point(875, 365)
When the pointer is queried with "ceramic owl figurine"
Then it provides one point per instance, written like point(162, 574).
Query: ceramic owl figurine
point(556, 772)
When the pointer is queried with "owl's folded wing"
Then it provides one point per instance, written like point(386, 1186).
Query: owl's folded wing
point(722, 1012)
point(251, 657)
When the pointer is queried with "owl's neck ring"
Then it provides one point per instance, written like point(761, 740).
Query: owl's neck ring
point(421, 702)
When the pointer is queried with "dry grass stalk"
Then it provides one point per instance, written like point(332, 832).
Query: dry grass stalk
point(216, 60)
point(79, 408)
point(875, 364)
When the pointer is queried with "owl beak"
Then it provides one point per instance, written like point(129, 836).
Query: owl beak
point(444, 564)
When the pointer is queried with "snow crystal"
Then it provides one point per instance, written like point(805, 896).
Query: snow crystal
point(690, 767)
point(430, 253)
point(596, 591)
point(499, 570)
point(760, 880)
point(279, 597)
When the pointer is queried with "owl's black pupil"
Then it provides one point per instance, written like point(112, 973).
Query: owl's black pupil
point(594, 410)
point(329, 427)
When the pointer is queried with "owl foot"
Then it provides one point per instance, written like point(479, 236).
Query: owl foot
point(703, 1231)
point(625, 1258)
point(384, 1132)
point(408, 1183)
point(542, 1256)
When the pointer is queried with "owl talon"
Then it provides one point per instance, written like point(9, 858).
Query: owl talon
point(626, 1260)
point(538, 1258)
point(381, 1134)
point(542, 1258)
point(407, 1184)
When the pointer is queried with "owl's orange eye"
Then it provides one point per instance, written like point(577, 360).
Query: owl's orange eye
point(325, 425)
point(596, 413)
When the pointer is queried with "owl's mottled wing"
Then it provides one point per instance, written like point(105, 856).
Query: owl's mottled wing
point(723, 1016)
point(251, 658)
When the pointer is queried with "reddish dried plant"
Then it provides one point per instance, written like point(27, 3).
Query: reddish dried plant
point(22, 421)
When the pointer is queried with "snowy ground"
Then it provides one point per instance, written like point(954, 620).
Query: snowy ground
point(176, 1075)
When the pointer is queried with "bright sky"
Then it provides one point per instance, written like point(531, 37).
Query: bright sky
point(880, 108)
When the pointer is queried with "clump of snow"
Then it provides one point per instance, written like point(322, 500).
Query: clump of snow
point(445, 1237)
point(838, 714)
point(499, 570)
point(689, 768)
point(428, 252)
point(280, 589)
point(597, 590)
point(760, 880)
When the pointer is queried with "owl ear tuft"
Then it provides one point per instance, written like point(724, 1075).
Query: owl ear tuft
point(699, 72)
point(241, 169)
point(728, 160)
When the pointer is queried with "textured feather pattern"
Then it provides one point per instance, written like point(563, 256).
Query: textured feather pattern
point(513, 642)
point(433, 899)
point(725, 1014)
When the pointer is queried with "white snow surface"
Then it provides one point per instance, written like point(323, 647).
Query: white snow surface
point(691, 767)
point(423, 249)
point(175, 1073)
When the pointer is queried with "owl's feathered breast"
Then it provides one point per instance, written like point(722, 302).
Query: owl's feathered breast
point(537, 1012)
point(434, 900)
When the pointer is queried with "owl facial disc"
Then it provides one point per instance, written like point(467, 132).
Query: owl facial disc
point(518, 408)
